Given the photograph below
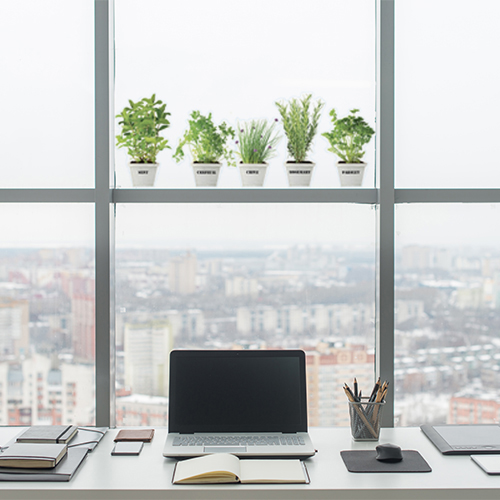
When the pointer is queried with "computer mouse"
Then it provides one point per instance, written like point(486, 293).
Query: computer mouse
point(389, 453)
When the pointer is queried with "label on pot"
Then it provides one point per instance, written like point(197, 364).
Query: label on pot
point(143, 172)
point(252, 172)
point(206, 172)
point(348, 172)
point(299, 171)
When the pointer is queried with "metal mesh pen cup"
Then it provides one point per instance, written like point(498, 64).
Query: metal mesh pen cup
point(365, 419)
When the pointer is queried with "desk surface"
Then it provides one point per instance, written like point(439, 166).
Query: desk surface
point(149, 475)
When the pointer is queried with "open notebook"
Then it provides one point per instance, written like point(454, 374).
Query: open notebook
point(249, 403)
point(226, 468)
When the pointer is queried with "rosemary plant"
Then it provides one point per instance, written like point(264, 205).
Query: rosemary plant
point(301, 124)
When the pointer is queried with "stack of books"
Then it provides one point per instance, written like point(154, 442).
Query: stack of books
point(41, 453)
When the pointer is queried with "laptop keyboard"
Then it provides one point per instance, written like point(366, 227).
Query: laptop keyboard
point(190, 440)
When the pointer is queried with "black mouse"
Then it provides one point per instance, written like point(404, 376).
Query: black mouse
point(389, 453)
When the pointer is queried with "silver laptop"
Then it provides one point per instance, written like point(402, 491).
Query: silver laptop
point(251, 403)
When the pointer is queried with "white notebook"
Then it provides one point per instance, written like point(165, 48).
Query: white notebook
point(489, 463)
point(227, 468)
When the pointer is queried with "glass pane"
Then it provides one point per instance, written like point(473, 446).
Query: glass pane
point(235, 60)
point(447, 99)
point(244, 276)
point(47, 318)
point(447, 299)
point(47, 61)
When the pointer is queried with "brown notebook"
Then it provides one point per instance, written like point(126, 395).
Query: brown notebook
point(145, 435)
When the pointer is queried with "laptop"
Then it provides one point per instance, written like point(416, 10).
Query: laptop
point(251, 403)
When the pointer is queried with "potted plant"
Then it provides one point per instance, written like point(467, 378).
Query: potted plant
point(256, 143)
point(300, 123)
point(208, 145)
point(141, 124)
point(347, 139)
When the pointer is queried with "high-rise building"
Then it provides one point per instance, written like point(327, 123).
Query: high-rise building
point(39, 390)
point(146, 349)
point(416, 257)
point(182, 274)
point(188, 324)
point(474, 409)
point(138, 409)
point(14, 327)
point(238, 286)
point(83, 326)
point(328, 369)
point(322, 319)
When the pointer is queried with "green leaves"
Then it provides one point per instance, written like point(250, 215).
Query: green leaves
point(142, 123)
point(207, 142)
point(348, 136)
point(300, 124)
point(257, 141)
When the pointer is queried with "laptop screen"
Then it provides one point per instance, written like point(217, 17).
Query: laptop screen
point(237, 391)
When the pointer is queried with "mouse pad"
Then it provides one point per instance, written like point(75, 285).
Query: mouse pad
point(365, 461)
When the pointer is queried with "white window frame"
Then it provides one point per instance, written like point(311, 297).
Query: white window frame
point(104, 197)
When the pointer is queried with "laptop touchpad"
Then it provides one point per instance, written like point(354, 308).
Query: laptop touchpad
point(225, 449)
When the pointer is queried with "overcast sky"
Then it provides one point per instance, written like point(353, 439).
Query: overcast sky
point(236, 59)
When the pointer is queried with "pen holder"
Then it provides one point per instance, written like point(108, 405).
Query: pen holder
point(365, 419)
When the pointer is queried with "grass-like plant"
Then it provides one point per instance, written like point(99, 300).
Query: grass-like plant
point(257, 141)
point(301, 124)
point(207, 142)
point(348, 136)
point(142, 123)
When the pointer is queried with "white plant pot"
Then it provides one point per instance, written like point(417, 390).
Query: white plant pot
point(253, 174)
point(143, 174)
point(351, 174)
point(299, 174)
point(206, 174)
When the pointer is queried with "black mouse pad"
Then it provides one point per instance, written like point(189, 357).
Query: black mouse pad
point(365, 461)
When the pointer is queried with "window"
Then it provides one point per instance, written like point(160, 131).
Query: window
point(229, 282)
point(236, 61)
point(48, 90)
point(397, 278)
point(447, 295)
point(440, 119)
point(447, 255)
point(47, 310)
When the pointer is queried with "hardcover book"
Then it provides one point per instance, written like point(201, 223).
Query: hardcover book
point(29, 455)
point(63, 471)
point(227, 468)
point(48, 434)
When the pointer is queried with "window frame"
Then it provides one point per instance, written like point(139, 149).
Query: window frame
point(104, 196)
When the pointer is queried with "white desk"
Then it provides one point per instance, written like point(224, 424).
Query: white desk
point(148, 476)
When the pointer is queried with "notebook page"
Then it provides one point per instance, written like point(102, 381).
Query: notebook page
point(218, 462)
point(272, 471)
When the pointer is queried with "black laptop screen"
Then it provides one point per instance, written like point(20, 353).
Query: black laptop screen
point(237, 391)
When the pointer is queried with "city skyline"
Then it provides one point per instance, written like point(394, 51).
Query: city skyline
point(317, 298)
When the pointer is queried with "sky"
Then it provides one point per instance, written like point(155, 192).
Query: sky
point(235, 59)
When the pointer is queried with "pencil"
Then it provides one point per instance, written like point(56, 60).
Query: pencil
point(347, 388)
point(379, 399)
point(359, 411)
point(374, 391)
